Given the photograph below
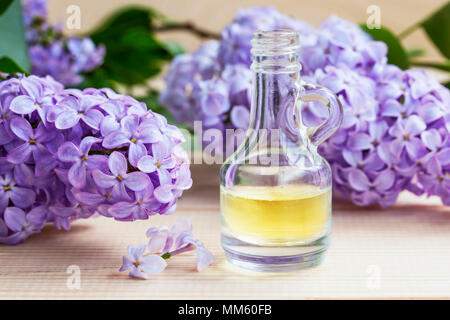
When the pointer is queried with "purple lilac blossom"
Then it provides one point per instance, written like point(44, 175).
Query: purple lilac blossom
point(139, 265)
point(52, 53)
point(396, 123)
point(22, 225)
point(54, 170)
point(163, 244)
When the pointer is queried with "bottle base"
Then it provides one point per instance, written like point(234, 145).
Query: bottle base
point(274, 258)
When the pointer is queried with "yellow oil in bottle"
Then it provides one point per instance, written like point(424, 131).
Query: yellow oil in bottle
point(276, 215)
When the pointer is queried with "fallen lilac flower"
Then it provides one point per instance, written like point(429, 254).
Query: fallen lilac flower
point(161, 239)
point(181, 239)
point(187, 242)
point(141, 265)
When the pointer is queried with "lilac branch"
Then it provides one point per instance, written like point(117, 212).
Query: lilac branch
point(188, 27)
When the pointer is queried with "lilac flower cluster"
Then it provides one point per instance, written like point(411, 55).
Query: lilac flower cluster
point(395, 134)
point(67, 154)
point(164, 243)
point(51, 53)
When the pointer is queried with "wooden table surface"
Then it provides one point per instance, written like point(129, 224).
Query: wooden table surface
point(397, 253)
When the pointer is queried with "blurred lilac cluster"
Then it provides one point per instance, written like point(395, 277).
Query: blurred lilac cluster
point(67, 154)
point(395, 133)
point(51, 53)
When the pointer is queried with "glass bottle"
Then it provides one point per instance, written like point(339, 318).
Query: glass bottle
point(275, 192)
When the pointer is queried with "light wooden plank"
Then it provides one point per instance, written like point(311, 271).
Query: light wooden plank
point(409, 245)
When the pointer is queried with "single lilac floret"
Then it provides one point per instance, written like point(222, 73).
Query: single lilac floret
point(139, 264)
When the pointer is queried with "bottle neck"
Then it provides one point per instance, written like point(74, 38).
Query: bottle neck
point(276, 81)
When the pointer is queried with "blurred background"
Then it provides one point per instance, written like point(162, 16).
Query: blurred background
point(213, 15)
point(132, 48)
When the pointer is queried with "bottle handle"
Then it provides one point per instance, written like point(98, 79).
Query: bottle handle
point(314, 92)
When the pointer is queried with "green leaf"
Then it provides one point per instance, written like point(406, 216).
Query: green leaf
point(4, 5)
point(133, 53)
point(7, 65)
point(125, 19)
point(437, 27)
point(396, 53)
point(12, 36)
point(447, 84)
